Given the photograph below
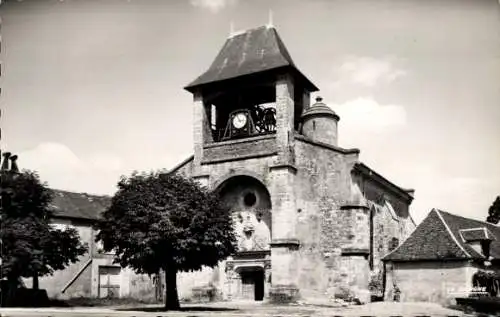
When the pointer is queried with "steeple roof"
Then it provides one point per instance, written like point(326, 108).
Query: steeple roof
point(253, 51)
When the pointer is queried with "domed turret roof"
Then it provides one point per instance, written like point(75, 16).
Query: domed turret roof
point(319, 109)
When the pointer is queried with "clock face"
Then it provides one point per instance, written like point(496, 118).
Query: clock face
point(239, 120)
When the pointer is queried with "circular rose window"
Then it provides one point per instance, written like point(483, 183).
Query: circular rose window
point(249, 199)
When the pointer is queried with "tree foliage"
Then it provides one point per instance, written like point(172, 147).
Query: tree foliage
point(158, 221)
point(494, 212)
point(30, 246)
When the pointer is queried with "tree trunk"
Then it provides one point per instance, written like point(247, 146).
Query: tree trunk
point(172, 298)
point(12, 285)
point(35, 281)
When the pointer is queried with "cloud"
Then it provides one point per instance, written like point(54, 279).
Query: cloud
point(366, 71)
point(61, 168)
point(465, 196)
point(367, 114)
point(213, 6)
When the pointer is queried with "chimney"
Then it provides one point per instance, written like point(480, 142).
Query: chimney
point(13, 164)
point(5, 163)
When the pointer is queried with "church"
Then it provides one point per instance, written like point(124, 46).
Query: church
point(312, 220)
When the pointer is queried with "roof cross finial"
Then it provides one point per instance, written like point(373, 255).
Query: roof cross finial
point(270, 22)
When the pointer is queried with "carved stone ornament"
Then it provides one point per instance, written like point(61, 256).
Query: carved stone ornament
point(267, 265)
point(229, 266)
point(252, 233)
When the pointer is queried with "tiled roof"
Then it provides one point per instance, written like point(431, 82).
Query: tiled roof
point(474, 234)
point(256, 50)
point(456, 223)
point(79, 205)
point(439, 237)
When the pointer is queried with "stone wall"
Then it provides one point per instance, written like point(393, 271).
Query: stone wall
point(140, 286)
point(238, 149)
point(321, 129)
point(334, 241)
point(185, 168)
point(254, 167)
point(216, 172)
point(428, 281)
point(387, 230)
point(322, 186)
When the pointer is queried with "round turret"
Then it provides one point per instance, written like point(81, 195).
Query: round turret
point(319, 123)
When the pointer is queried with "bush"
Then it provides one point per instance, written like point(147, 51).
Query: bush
point(489, 281)
point(24, 297)
point(345, 294)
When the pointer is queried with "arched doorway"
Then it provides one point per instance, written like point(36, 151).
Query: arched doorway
point(250, 204)
point(247, 271)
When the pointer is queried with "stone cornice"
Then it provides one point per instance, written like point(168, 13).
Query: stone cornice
point(354, 251)
point(290, 243)
point(291, 167)
point(242, 140)
point(326, 146)
point(353, 206)
point(238, 158)
point(310, 115)
point(201, 176)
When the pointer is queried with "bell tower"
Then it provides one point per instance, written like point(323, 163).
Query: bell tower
point(247, 110)
point(252, 88)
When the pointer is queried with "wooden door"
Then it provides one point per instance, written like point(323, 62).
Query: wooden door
point(109, 281)
point(248, 286)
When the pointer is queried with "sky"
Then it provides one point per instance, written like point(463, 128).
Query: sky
point(92, 90)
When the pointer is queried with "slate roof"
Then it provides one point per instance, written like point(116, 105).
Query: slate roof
point(475, 234)
point(79, 205)
point(439, 237)
point(255, 50)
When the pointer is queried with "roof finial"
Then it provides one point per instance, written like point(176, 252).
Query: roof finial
point(270, 22)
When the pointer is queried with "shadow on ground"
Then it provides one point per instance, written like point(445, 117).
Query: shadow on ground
point(188, 308)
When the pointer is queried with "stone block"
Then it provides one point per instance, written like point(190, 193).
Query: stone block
point(283, 294)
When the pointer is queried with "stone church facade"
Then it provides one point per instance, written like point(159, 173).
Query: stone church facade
point(310, 218)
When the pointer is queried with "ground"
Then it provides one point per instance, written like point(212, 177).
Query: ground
point(249, 309)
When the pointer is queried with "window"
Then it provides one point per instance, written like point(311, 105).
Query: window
point(250, 199)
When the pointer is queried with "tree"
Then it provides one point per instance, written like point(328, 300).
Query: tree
point(158, 221)
point(30, 246)
point(494, 212)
